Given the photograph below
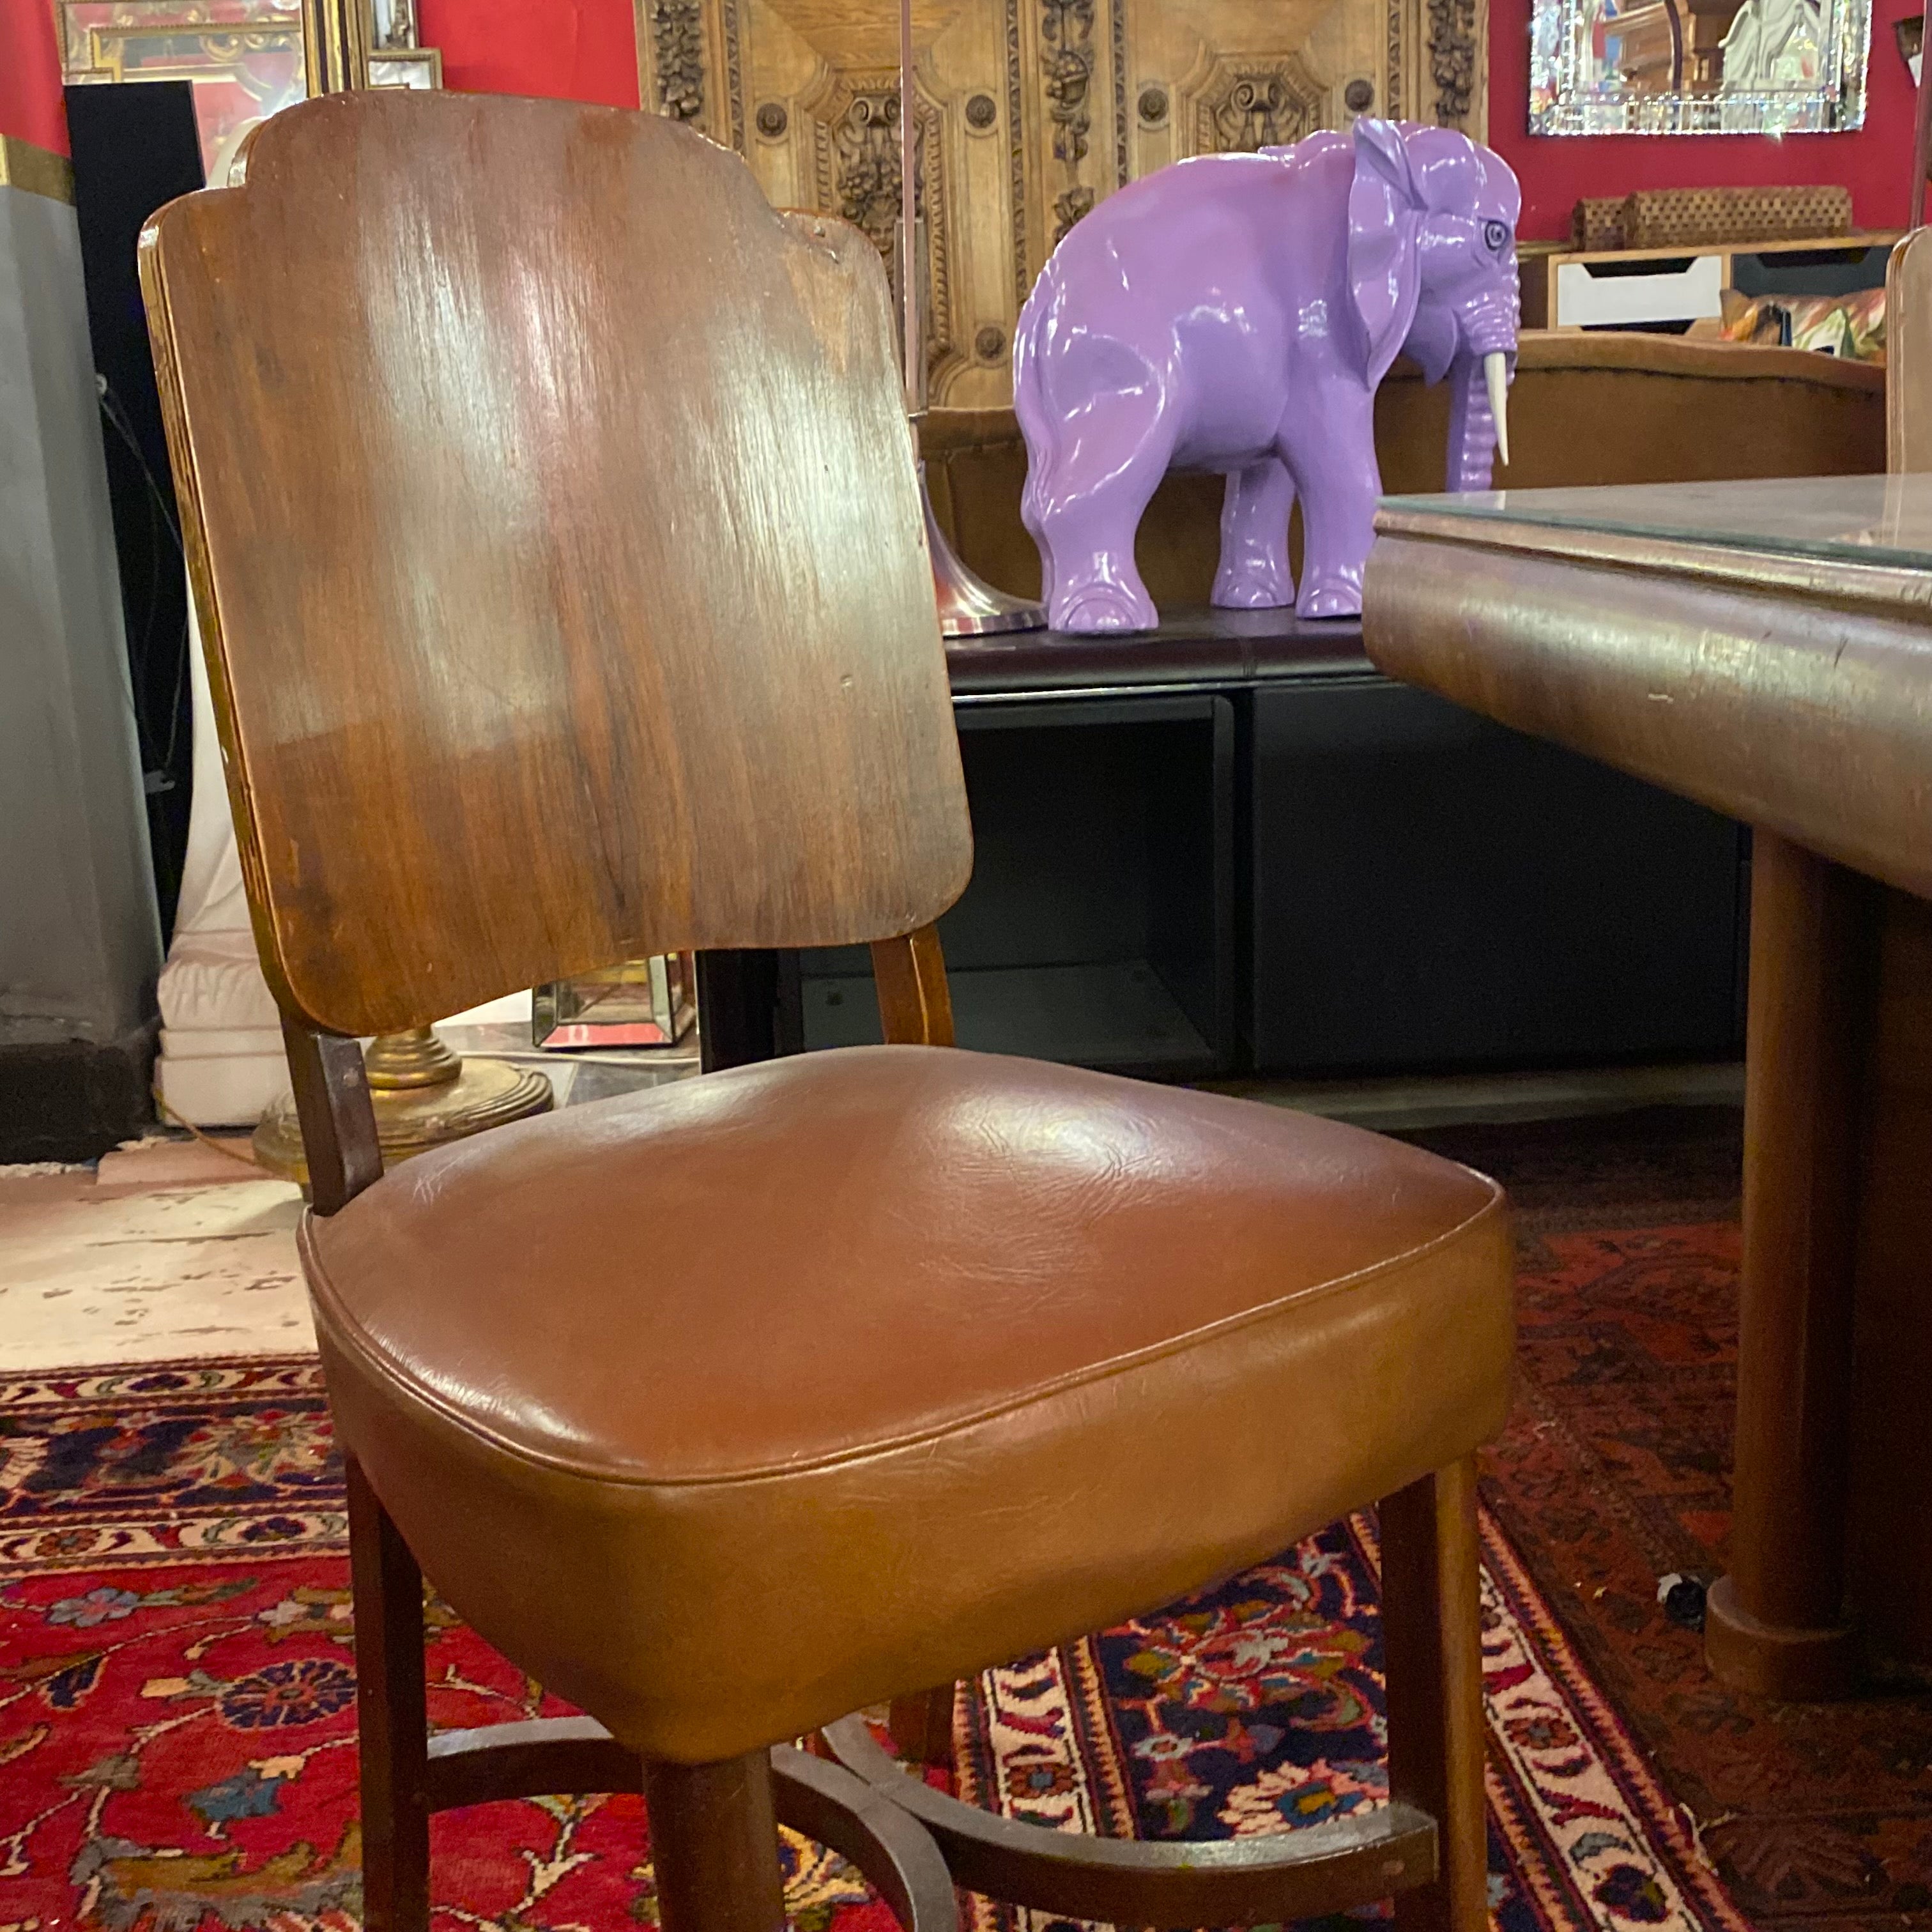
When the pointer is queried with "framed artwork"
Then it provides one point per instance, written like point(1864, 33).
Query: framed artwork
point(1698, 66)
point(245, 57)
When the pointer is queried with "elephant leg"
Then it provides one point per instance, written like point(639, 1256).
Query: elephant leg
point(1254, 574)
point(1330, 452)
point(1089, 510)
point(1030, 501)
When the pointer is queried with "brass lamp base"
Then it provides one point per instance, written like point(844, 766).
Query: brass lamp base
point(423, 1095)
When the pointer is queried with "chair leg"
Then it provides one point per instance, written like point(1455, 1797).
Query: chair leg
point(921, 1726)
point(392, 1722)
point(1433, 1649)
point(715, 1845)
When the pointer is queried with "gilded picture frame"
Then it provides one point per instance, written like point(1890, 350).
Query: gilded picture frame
point(1698, 67)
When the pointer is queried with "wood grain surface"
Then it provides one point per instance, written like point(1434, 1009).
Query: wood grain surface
point(1908, 333)
point(1793, 694)
point(557, 541)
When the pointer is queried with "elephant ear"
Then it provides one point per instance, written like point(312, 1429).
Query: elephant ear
point(1384, 214)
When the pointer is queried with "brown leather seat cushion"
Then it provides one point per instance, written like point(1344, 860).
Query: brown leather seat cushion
point(730, 1406)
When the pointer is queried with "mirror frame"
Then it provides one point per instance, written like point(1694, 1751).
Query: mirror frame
point(1562, 101)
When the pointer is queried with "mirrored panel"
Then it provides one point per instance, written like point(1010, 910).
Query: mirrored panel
point(1698, 66)
point(244, 56)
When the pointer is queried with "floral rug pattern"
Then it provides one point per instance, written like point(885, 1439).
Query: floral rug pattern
point(1257, 1707)
point(177, 1716)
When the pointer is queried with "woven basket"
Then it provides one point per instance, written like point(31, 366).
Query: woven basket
point(1596, 226)
point(1701, 218)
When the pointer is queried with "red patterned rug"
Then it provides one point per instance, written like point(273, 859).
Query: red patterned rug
point(177, 1722)
point(1615, 1470)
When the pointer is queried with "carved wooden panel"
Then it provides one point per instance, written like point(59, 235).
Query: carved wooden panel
point(1032, 111)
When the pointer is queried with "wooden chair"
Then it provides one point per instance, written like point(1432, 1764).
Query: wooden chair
point(555, 535)
point(1908, 354)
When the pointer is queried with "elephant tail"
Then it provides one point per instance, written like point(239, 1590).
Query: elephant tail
point(1036, 419)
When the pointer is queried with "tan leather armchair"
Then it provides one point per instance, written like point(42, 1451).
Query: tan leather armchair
point(1585, 409)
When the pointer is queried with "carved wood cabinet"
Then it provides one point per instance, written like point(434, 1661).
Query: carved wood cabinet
point(1031, 111)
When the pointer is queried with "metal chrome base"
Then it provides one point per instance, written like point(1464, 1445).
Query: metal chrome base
point(423, 1094)
point(969, 607)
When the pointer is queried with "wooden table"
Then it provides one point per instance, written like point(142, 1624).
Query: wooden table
point(1765, 648)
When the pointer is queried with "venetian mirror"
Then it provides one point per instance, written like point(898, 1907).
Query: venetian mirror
point(1698, 66)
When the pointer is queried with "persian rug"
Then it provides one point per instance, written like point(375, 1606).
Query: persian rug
point(1615, 1470)
point(177, 1705)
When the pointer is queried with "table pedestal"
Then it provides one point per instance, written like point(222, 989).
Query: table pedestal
point(1831, 1552)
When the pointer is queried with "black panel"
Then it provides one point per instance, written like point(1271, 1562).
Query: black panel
point(1811, 271)
point(135, 146)
point(74, 1099)
point(1097, 928)
point(1433, 891)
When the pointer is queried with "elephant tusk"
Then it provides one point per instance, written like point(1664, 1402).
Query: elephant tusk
point(1496, 373)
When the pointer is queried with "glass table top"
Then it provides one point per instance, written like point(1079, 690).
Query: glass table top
point(1871, 519)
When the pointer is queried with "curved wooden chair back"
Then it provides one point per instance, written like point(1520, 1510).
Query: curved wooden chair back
point(557, 548)
point(1908, 354)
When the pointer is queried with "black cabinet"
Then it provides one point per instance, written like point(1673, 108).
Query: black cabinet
point(1432, 890)
point(1231, 845)
point(1098, 927)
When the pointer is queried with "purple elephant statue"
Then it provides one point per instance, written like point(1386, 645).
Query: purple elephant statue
point(1235, 312)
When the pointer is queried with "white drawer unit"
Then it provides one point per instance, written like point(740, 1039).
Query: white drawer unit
point(1587, 298)
point(1664, 288)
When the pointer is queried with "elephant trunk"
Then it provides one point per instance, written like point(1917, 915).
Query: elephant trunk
point(1478, 421)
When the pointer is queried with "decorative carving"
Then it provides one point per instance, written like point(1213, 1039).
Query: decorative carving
point(1066, 33)
point(990, 343)
point(1017, 95)
point(1068, 209)
point(1258, 107)
point(1067, 67)
point(855, 130)
point(734, 85)
point(864, 150)
point(1452, 59)
point(1118, 10)
point(677, 50)
point(1016, 153)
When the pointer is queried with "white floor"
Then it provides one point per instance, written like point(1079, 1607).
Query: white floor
point(176, 1249)
point(173, 1251)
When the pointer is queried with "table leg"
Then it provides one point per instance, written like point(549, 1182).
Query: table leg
point(1775, 1624)
point(1889, 1583)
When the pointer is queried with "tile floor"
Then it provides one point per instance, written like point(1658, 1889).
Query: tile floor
point(175, 1249)
point(171, 1250)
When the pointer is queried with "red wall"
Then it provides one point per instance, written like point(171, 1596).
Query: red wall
point(575, 49)
point(30, 108)
point(586, 50)
point(1556, 172)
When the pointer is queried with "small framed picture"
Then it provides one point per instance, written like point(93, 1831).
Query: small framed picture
point(406, 66)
